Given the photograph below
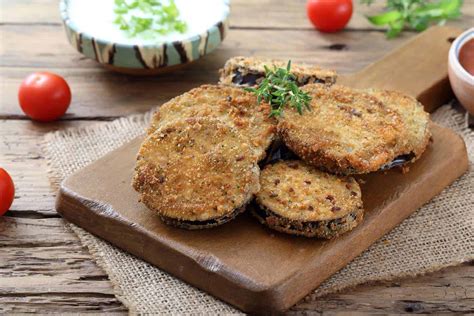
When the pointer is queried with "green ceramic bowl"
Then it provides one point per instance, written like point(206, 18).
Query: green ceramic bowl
point(144, 57)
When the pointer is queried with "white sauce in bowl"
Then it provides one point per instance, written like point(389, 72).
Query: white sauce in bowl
point(96, 18)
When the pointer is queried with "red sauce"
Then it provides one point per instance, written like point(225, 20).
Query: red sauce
point(466, 56)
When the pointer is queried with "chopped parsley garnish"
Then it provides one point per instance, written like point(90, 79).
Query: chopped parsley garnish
point(279, 89)
point(148, 18)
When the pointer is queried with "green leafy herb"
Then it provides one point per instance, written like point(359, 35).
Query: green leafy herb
point(414, 14)
point(279, 88)
point(148, 18)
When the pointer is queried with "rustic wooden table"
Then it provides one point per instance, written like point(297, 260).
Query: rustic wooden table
point(44, 268)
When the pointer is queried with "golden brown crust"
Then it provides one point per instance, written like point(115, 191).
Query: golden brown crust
point(347, 131)
point(298, 199)
point(255, 65)
point(196, 169)
point(416, 132)
point(299, 192)
point(231, 105)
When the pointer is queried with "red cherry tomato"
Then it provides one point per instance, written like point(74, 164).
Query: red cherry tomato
point(329, 15)
point(44, 96)
point(7, 191)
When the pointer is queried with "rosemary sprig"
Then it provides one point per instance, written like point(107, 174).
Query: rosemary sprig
point(279, 89)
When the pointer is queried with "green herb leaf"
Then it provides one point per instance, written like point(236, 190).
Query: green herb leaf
point(147, 18)
point(415, 14)
point(395, 28)
point(120, 10)
point(385, 18)
point(279, 89)
point(120, 3)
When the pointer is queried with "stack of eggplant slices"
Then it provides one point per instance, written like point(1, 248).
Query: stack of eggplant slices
point(282, 139)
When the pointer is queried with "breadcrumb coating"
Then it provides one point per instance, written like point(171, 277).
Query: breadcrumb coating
point(350, 131)
point(297, 191)
point(230, 105)
point(248, 71)
point(416, 121)
point(196, 169)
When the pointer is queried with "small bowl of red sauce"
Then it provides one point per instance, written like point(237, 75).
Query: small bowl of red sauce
point(461, 69)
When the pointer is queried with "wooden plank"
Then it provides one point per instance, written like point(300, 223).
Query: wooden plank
point(446, 292)
point(60, 303)
point(44, 269)
point(101, 93)
point(409, 295)
point(47, 46)
point(21, 155)
point(274, 14)
point(27, 250)
point(292, 14)
point(122, 95)
point(44, 266)
point(88, 200)
point(29, 11)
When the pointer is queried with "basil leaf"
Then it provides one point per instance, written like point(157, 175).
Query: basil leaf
point(385, 18)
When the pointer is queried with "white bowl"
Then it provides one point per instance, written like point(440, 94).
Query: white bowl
point(461, 81)
point(136, 56)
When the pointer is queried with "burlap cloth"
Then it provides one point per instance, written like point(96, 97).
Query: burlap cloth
point(438, 235)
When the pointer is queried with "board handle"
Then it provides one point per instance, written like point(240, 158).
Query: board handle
point(418, 68)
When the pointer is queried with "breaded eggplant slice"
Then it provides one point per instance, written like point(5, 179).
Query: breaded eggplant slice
point(231, 105)
point(416, 124)
point(249, 71)
point(298, 199)
point(345, 131)
point(196, 173)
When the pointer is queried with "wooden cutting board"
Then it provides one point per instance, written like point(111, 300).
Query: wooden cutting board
point(242, 262)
